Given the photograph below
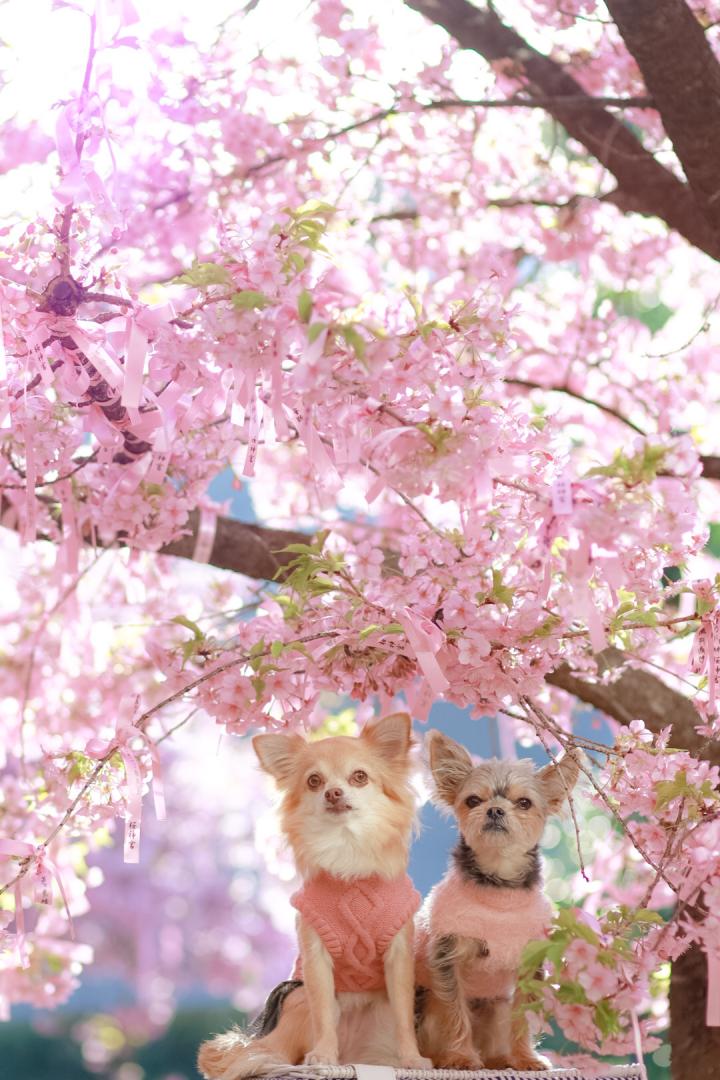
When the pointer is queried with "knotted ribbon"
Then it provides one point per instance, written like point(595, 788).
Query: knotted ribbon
point(139, 327)
point(561, 495)
point(205, 540)
point(44, 868)
point(712, 1012)
point(425, 639)
point(99, 748)
point(705, 654)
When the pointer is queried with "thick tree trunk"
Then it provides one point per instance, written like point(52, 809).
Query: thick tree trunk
point(695, 1047)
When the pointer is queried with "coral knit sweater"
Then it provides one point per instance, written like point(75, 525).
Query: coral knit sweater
point(356, 920)
point(504, 919)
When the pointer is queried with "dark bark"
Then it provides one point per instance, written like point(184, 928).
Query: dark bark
point(682, 74)
point(636, 694)
point(695, 1047)
point(644, 185)
point(252, 550)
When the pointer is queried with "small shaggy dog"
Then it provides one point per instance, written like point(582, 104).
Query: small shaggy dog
point(347, 812)
point(475, 923)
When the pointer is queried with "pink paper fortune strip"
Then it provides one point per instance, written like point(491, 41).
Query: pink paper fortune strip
point(205, 539)
point(99, 748)
point(426, 640)
point(44, 868)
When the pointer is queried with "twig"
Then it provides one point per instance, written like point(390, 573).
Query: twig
point(528, 705)
point(663, 858)
point(564, 738)
point(530, 385)
point(63, 246)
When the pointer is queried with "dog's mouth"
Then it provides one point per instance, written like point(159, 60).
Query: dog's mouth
point(338, 808)
point(494, 826)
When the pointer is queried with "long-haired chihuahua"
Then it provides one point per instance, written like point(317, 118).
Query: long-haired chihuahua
point(347, 811)
point(476, 922)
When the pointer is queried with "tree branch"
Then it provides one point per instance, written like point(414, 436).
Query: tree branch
point(637, 695)
point(682, 73)
point(710, 462)
point(252, 550)
point(644, 185)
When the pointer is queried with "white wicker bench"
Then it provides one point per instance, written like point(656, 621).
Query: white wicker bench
point(381, 1072)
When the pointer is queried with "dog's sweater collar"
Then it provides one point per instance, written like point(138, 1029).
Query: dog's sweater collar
point(503, 919)
point(356, 920)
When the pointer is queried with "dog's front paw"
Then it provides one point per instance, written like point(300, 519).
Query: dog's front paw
point(498, 1063)
point(458, 1060)
point(531, 1062)
point(415, 1061)
point(322, 1054)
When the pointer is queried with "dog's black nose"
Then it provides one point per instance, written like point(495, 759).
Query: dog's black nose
point(495, 813)
point(333, 795)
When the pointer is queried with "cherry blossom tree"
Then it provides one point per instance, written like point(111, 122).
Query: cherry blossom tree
point(440, 289)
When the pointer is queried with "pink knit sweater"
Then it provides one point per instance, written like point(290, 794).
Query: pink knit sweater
point(505, 919)
point(356, 921)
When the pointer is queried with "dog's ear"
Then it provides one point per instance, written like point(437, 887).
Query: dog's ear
point(450, 764)
point(277, 753)
point(558, 779)
point(390, 735)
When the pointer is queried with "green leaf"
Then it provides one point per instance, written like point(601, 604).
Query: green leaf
point(502, 594)
point(713, 544)
point(276, 648)
point(571, 993)
point(305, 306)
point(632, 304)
point(311, 208)
point(677, 788)
point(249, 299)
point(568, 920)
point(533, 955)
point(607, 1019)
point(182, 620)
point(355, 340)
point(644, 915)
point(315, 330)
point(203, 274)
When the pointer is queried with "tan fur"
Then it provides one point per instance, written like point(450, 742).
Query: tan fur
point(316, 1025)
point(455, 1032)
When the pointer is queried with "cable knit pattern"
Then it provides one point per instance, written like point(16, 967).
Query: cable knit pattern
point(356, 921)
point(505, 919)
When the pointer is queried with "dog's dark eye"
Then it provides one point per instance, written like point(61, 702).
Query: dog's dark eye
point(524, 804)
point(473, 800)
point(314, 781)
point(359, 778)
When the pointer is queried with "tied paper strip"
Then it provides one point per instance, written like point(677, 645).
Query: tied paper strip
point(712, 1012)
point(135, 353)
point(4, 395)
point(205, 536)
point(253, 414)
point(705, 654)
point(562, 497)
point(42, 889)
point(637, 1037)
point(98, 748)
point(425, 639)
point(137, 342)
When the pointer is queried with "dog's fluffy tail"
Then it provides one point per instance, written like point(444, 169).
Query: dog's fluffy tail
point(232, 1056)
